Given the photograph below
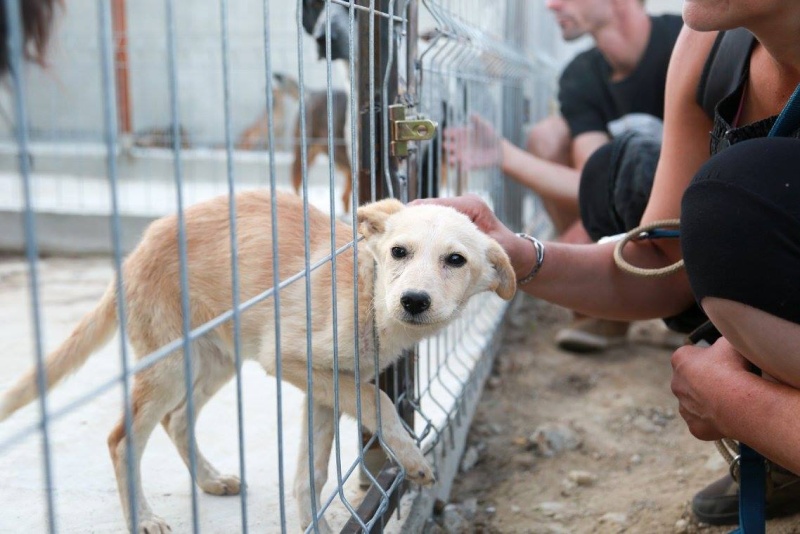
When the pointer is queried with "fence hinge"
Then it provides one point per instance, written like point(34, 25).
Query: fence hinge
point(405, 129)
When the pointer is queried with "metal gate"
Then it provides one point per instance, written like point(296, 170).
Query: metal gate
point(160, 143)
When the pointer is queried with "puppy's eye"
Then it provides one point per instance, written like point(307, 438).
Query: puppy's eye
point(399, 252)
point(455, 260)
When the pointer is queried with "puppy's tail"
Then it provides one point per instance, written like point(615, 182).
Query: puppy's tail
point(95, 330)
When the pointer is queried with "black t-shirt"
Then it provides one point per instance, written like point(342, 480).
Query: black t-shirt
point(590, 100)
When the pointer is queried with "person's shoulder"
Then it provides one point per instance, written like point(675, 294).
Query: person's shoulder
point(583, 71)
point(584, 60)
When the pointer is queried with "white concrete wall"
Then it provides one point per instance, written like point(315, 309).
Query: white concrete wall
point(65, 100)
point(664, 6)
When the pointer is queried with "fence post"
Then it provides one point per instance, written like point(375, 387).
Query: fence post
point(378, 178)
point(410, 93)
point(513, 100)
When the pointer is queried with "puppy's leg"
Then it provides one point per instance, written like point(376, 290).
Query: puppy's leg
point(210, 379)
point(297, 169)
point(155, 392)
point(312, 151)
point(323, 441)
point(394, 435)
point(342, 161)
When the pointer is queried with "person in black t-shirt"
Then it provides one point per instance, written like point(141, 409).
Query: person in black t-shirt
point(594, 99)
point(611, 96)
point(616, 86)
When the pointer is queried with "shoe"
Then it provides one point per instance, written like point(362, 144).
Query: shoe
point(588, 334)
point(656, 334)
point(718, 503)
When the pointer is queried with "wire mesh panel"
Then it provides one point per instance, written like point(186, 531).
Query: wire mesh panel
point(480, 66)
point(253, 129)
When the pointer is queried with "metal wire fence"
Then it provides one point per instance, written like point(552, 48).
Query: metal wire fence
point(336, 78)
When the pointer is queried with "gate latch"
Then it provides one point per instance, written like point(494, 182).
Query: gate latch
point(405, 129)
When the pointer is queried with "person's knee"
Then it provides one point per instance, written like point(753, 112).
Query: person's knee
point(765, 166)
point(616, 182)
point(595, 193)
point(739, 227)
point(550, 139)
point(766, 340)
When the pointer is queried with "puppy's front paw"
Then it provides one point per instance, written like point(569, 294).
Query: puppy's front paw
point(221, 485)
point(418, 470)
point(153, 525)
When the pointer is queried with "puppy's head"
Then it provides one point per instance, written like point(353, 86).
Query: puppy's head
point(431, 259)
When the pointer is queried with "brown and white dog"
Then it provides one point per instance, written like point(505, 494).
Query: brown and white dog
point(286, 97)
point(417, 268)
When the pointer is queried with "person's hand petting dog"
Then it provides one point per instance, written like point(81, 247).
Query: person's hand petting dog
point(475, 145)
point(520, 251)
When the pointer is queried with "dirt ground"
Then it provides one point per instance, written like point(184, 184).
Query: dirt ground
point(565, 443)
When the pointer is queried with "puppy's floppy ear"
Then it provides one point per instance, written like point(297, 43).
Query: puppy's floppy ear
point(505, 284)
point(372, 217)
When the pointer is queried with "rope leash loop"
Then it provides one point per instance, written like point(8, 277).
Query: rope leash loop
point(653, 230)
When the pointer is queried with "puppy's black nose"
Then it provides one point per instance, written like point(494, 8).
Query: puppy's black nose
point(415, 302)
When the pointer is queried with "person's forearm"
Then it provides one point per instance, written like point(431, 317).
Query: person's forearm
point(584, 278)
point(548, 180)
point(763, 415)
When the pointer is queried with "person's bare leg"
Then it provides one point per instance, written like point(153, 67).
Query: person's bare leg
point(767, 341)
point(550, 140)
point(575, 234)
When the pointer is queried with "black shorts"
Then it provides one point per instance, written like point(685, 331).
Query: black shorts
point(740, 226)
point(616, 182)
point(614, 191)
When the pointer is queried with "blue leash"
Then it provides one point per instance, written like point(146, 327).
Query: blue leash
point(752, 492)
point(789, 119)
point(752, 466)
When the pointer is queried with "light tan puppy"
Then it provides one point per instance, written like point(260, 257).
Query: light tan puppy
point(417, 268)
